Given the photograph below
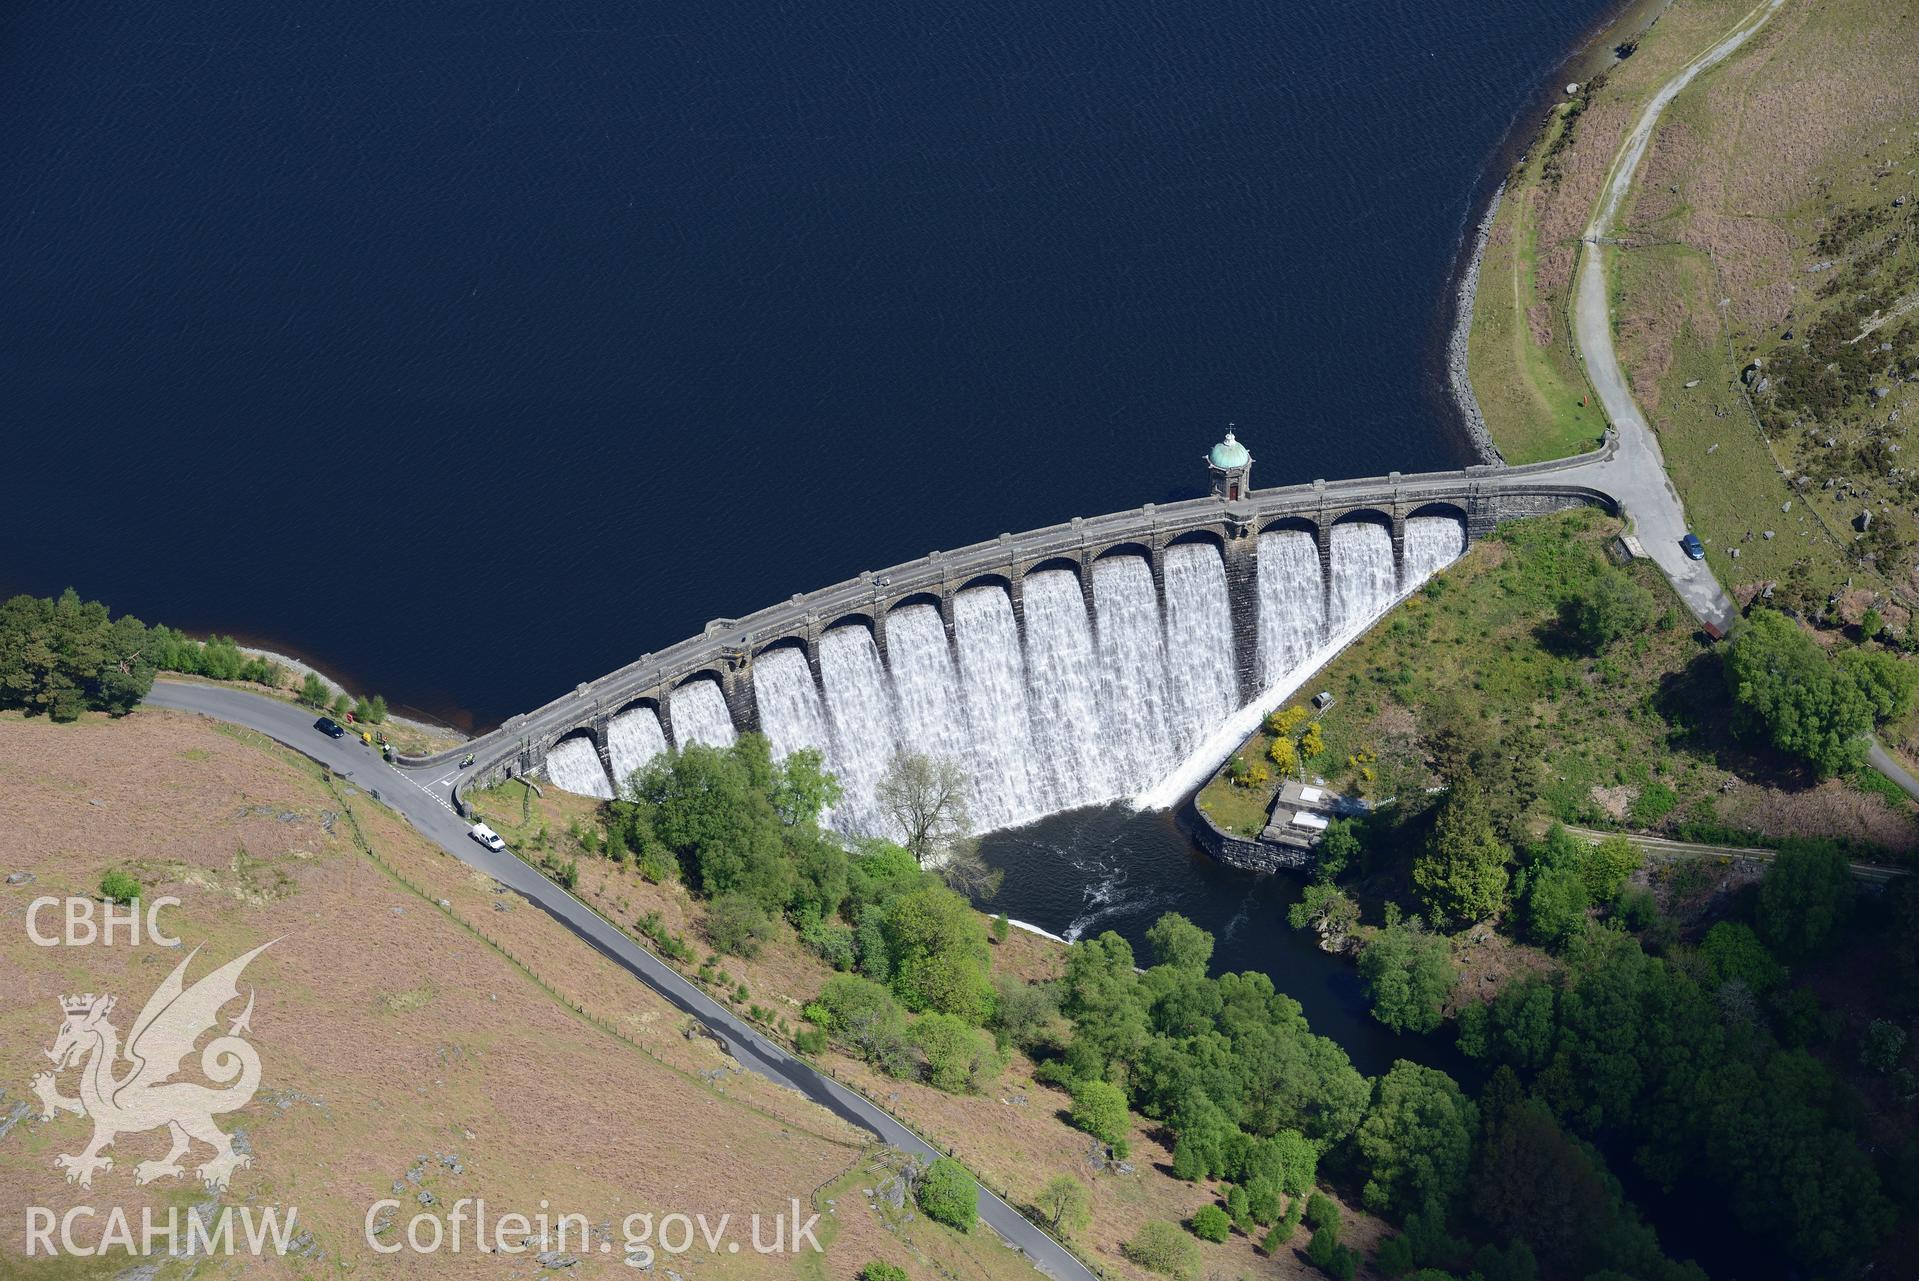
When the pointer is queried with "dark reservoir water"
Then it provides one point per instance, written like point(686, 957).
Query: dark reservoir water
point(473, 349)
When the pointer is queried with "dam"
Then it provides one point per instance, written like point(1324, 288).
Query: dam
point(1066, 667)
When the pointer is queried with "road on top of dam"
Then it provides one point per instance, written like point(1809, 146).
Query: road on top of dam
point(427, 808)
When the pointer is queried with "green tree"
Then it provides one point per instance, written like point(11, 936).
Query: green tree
point(1732, 951)
point(737, 926)
point(313, 691)
point(1461, 874)
point(1065, 1204)
point(1556, 905)
point(1806, 897)
point(1408, 973)
point(1179, 943)
point(960, 1058)
point(1210, 1223)
point(1417, 1141)
point(1784, 689)
point(705, 807)
point(64, 656)
point(947, 1194)
point(1339, 846)
point(1609, 606)
point(119, 887)
point(1608, 867)
point(1161, 1247)
point(1100, 1109)
point(864, 1015)
point(939, 954)
point(1883, 1046)
point(1886, 680)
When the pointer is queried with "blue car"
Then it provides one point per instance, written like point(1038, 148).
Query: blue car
point(1694, 549)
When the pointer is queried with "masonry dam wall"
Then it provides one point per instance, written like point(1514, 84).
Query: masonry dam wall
point(1069, 666)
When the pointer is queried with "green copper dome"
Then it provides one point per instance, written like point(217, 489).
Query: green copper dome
point(1229, 453)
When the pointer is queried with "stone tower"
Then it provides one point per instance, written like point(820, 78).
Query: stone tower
point(1232, 469)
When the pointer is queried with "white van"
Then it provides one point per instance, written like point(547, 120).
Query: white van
point(487, 837)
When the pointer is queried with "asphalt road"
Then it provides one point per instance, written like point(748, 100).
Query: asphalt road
point(422, 798)
point(1636, 474)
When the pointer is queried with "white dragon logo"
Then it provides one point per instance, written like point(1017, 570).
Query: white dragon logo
point(146, 1097)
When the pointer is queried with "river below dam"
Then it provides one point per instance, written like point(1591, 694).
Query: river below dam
point(1111, 868)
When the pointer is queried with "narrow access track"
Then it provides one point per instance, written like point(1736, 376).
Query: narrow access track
point(1869, 873)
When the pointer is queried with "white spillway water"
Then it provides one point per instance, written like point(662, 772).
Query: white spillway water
point(1132, 672)
point(925, 687)
point(1292, 602)
point(789, 703)
point(993, 685)
point(1364, 580)
point(632, 739)
point(860, 707)
point(1063, 692)
point(698, 712)
point(1199, 643)
point(573, 766)
point(1432, 543)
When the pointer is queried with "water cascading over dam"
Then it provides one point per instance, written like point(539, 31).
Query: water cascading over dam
point(1054, 706)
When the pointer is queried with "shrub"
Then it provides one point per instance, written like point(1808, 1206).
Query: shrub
point(1323, 1248)
point(810, 1040)
point(1161, 1247)
point(877, 1271)
point(1322, 1212)
point(736, 925)
point(119, 887)
point(1001, 928)
point(1100, 1109)
point(947, 1194)
point(1210, 1223)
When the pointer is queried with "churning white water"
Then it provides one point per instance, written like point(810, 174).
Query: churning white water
point(1132, 671)
point(1131, 700)
point(1364, 581)
point(859, 704)
point(925, 686)
point(1199, 643)
point(1062, 681)
point(1292, 602)
point(632, 739)
point(789, 703)
point(1432, 543)
point(698, 712)
point(574, 766)
point(993, 685)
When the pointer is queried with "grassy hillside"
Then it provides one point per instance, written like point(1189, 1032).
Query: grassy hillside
point(1524, 372)
point(419, 1029)
point(1637, 737)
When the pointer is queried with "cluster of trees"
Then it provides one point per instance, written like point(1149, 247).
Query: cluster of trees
point(742, 831)
point(1790, 692)
point(1227, 1063)
point(62, 656)
point(315, 693)
point(66, 656)
point(1699, 1062)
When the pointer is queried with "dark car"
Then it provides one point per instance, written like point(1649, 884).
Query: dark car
point(330, 727)
point(1693, 548)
